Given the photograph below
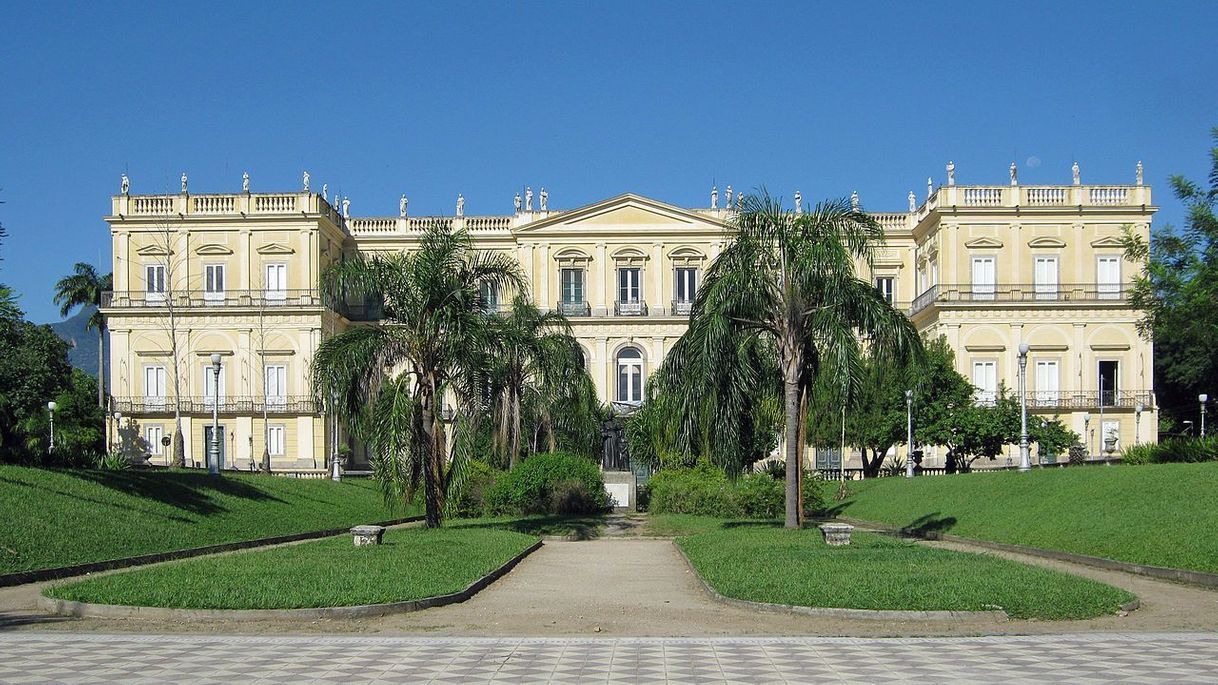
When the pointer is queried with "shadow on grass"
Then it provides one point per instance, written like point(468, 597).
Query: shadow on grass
point(751, 523)
point(187, 491)
point(929, 525)
point(571, 527)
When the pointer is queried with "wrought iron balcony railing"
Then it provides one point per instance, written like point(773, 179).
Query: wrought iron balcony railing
point(682, 307)
point(241, 404)
point(576, 308)
point(1122, 399)
point(1030, 293)
point(226, 298)
point(629, 308)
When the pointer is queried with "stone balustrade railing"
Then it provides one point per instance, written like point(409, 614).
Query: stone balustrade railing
point(416, 224)
point(1036, 196)
point(241, 204)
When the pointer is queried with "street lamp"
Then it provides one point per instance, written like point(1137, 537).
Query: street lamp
point(51, 412)
point(1137, 420)
point(1087, 431)
point(213, 452)
point(1025, 462)
point(909, 465)
point(118, 427)
point(1202, 398)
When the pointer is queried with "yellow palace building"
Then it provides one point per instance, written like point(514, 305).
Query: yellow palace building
point(236, 274)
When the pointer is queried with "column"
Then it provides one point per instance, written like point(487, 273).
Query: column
point(657, 353)
point(657, 277)
point(544, 274)
point(305, 445)
point(600, 306)
point(122, 263)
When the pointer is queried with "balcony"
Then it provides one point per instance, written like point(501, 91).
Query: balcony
point(575, 308)
point(629, 308)
point(1124, 399)
point(241, 404)
point(1024, 293)
point(139, 299)
point(682, 307)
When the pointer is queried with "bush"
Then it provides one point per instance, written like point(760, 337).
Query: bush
point(1172, 451)
point(470, 500)
point(702, 490)
point(759, 496)
point(815, 501)
point(545, 481)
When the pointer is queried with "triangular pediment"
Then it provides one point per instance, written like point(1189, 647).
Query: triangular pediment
point(624, 211)
point(153, 251)
point(213, 249)
point(275, 248)
point(984, 243)
point(1107, 241)
point(1046, 241)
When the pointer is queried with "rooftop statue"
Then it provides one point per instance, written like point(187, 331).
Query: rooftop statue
point(402, 205)
point(124, 185)
point(714, 197)
point(1075, 174)
point(325, 191)
point(245, 181)
point(346, 208)
point(183, 181)
point(516, 202)
point(545, 198)
point(799, 202)
point(913, 202)
point(460, 204)
point(528, 198)
point(1014, 175)
point(930, 187)
point(854, 201)
point(951, 173)
point(1138, 177)
point(728, 196)
point(306, 181)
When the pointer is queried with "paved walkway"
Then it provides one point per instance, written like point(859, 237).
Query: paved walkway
point(1089, 658)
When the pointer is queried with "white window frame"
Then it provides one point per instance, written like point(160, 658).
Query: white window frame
point(1045, 280)
point(152, 435)
point(213, 282)
point(1107, 290)
point(630, 370)
point(629, 284)
point(889, 293)
point(983, 290)
point(275, 378)
point(154, 282)
point(275, 288)
point(209, 391)
point(567, 287)
point(155, 392)
point(984, 395)
point(1047, 391)
point(276, 439)
point(685, 283)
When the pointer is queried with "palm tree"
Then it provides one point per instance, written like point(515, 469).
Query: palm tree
point(788, 281)
point(84, 288)
point(390, 380)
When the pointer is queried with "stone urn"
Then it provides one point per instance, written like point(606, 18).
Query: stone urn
point(836, 534)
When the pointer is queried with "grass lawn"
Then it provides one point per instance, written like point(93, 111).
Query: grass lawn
point(63, 517)
point(412, 564)
point(762, 562)
point(673, 525)
point(577, 527)
point(1160, 514)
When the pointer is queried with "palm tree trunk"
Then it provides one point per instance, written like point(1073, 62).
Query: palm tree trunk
point(431, 501)
point(791, 447)
point(514, 442)
point(802, 438)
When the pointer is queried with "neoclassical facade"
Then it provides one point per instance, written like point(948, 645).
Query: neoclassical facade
point(989, 267)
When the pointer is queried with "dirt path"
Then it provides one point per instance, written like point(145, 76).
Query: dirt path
point(621, 585)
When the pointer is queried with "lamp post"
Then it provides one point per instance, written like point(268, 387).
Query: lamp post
point(1202, 398)
point(118, 428)
point(1087, 431)
point(1025, 462)
point(213, 451)
point(51, 412)
point(1137, 421)
point(909, 464)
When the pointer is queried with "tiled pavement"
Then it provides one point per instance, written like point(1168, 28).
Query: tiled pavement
point(1084, 658)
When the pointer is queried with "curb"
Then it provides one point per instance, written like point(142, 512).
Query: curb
point(65, 607)
point(1179, 575)
point(833, 612)
point(24, 577)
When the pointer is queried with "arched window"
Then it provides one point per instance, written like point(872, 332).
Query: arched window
point(630, 375)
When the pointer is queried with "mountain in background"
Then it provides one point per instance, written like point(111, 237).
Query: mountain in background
point(83, 354)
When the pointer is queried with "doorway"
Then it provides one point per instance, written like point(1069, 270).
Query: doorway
point(1109, 375)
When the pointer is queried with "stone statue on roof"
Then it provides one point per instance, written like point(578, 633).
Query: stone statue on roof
point(1014, 174)
point(325, 191)
point(913, 202)
point(245, 181)
point(714, 197)
point(799, 202)
point(124, 185)
point(1138, 173)
point(306, 181)
point(545, 199)
point(1075, 173)
point(728, 196)
point(346, 208)
point(951, 173)
point(854, 200)
point(528, 198)
point(402, 205)
point(183, 181)
point(460, 204)
point(516, 202)
point(930, 187)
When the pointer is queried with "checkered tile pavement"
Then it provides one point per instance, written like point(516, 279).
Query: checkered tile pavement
point(1089, 658)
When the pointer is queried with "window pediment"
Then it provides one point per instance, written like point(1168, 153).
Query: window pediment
point(686, 256)
point(629, 256)
point(1047, 241)
point(275, 248)
point(572, 256)
point(1107, 241)
point(983, 243)
point(153, 251)
point(213, 249)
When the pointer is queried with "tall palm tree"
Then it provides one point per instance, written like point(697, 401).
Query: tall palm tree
point(390, 381)
point(789, 281)
point(84, 288)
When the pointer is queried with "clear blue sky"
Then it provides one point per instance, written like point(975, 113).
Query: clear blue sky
point(590, 100)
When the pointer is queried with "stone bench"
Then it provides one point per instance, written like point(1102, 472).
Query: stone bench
point(367, 535)
point(836, 534)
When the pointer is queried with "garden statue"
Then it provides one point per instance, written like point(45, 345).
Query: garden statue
point(125, 184)
point(951, 173)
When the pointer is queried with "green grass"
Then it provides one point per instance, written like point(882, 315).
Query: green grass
point(673, 525)
point(412, 564)
point(1161, 515)
point(577, 527)
point(761, 562)
point(63, 517)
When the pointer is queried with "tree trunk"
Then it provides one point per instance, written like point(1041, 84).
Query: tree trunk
point(551, 441)
point(101, 367)
point(179, 449)
point(791, 438)
point(802, 439)
point(514, 442)
point(430, 482)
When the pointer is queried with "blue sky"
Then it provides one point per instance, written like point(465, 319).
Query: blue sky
point(589, 100)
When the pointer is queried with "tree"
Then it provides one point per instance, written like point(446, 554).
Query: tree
point(388, 382)
point(84, 288)
point(789, 280)
point(33, 370)
point(1177, 291)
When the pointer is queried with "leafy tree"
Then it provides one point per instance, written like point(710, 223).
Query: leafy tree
point(84, 288)
point(390, 380)
point(788, 282)
point(33, 370)
point(1177, 292)
point(80, 436)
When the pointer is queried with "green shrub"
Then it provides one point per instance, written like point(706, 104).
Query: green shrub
point(702, 490)
point(470, 500)
point(816, 503)
point(533, 487)
point(759, 496)
point(1174, 450)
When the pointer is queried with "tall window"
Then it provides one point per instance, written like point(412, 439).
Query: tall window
point(1045, 273)
point(983, 278)
point(154, 282)
point(630, 375)
point(276, 281)
point(211, 390)
point(275, 440)
point(213, 282)
point(1047, 382)
point(153, 435)
point(154, 385)
point(686, 286)
point(572, 285)
point(985, 379)
point(1108, 276)
point(629, 284)
point(1109, 381)
point(490, 297)
point(887, 287)
point(276, 384)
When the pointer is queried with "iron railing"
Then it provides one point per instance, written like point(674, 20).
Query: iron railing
point(1024, 293)
point(225, 298)
point(242, 404)
point(1124, 399)
point(682, 307)
point(629, 308)
point(576, 308)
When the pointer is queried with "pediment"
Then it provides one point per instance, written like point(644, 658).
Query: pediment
point(153, 251)
point(629, 253)
point(623, 211)
point(984, 243)
point(1107, 241)
point(1046, 241)
point(572, 254)
point(275, 248)
point(686, 252)
point(214, 249)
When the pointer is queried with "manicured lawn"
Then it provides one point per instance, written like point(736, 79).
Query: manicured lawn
point(412, 564)
point(1161, 514)
point(673, 525)
point(762, 562)
point(577, 527)
point(62, 517)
